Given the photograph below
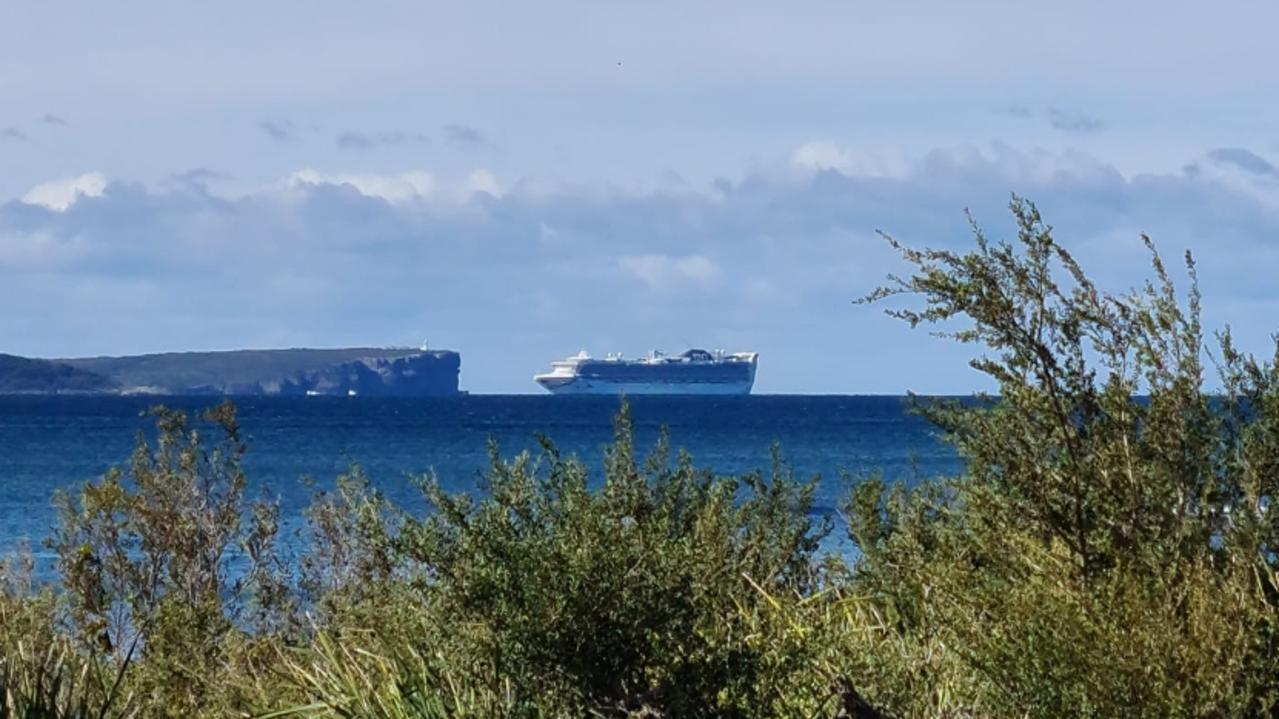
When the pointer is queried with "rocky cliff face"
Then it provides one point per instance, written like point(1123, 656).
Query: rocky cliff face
point(424, 374)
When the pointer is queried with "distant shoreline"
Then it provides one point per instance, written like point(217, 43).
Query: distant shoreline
point(285, 372)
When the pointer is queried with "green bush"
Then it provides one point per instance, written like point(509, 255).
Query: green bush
point(1109, 549)
point(42, 674)
point(619, 597)
point(165, 566)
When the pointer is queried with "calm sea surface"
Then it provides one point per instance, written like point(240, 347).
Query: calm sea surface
point(51, 442)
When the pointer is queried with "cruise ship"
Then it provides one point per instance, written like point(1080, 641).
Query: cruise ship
point(695, 372)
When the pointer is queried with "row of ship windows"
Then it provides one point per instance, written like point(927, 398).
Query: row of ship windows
point(667, 376)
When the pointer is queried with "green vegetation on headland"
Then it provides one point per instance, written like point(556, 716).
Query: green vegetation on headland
point(1099, 556)
point(20, 375)
point(290, 372)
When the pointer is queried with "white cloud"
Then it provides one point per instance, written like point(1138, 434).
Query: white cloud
point(662, 272)
point(400, 187)
point(482, 180)
point(59, 195)
point(821, 155)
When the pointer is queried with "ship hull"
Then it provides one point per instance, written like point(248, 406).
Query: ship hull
point(584, 386)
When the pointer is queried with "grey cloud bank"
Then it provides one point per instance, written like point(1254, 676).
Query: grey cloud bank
point(463, 134)
point(353, 140)
point(1073, 121)
point(1244, 160)
point(1058, 119)
point(514, 274)
point(278, 131)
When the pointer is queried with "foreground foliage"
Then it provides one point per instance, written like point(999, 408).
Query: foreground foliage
point(1109, 551)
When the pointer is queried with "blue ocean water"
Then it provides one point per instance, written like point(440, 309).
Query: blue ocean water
point(52, 442)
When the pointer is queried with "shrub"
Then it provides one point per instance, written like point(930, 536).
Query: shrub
point(621, 597)
point(1108, 550)
point(42, 675)
point(163, 566)
point(350, 572)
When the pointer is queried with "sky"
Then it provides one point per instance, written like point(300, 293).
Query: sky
point(518, 181)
